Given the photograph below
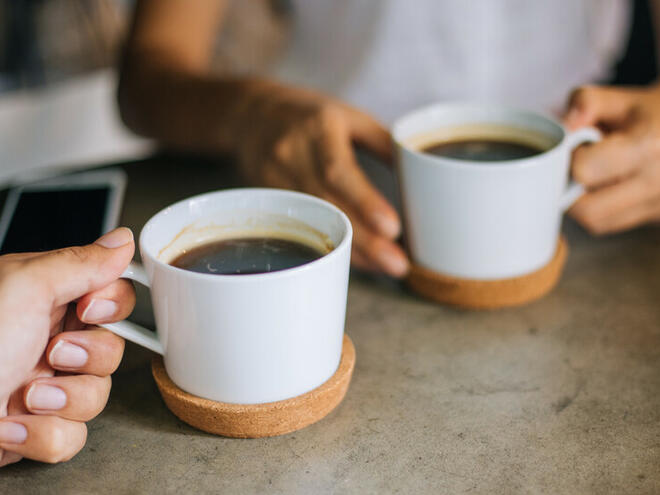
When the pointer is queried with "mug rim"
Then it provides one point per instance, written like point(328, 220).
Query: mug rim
point(474, 164)
point(251, 277)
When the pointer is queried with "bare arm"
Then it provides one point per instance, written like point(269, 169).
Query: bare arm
point(165, 91)
point(285, 137)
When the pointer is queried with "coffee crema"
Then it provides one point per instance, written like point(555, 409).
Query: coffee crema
point(246, 256)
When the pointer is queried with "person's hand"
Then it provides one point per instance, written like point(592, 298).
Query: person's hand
point(622, 172)
point(297, 139)
point(55, 365)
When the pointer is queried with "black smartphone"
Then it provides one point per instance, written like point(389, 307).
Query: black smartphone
point(69, 210)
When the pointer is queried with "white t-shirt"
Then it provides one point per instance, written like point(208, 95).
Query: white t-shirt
point(390, 56)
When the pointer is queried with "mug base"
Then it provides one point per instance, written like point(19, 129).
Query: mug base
point(489, 294)
point(257, 420)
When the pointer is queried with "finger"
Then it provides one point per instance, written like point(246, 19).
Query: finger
point(70, 320)
point(369, 133)
point(70, 273)
point(7, 458)
point(593, 105)
point(631, 218)
point(347, 180)
point(42, 438)
point(391, 260)
point(112, 303)
point(598, 164)
point(378, 253)
point(361, 262)
point(384, 254)
point(94, 352)
point(75, 397)
point(615, 207)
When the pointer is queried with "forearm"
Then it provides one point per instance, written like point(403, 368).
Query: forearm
point(189, 111)
point(165, 92)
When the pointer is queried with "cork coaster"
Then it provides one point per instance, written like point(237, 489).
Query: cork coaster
point(257, 420)
point(489, 294)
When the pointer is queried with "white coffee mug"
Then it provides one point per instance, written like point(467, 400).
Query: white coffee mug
point(484, 220)
point(245, 339)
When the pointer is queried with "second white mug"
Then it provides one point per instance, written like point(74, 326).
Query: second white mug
point(480, 220)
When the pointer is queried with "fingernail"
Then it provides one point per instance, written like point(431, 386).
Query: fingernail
point(116, 238)
point(12, 432)
point(45, 397)
point(387, 225)
point(395, 265)
point(99, 310)
point(67, 355)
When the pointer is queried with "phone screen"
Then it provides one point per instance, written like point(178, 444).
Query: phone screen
point(53, 219)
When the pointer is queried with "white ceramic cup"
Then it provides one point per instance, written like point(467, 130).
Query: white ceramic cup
point(245, 339)
point(484, 220)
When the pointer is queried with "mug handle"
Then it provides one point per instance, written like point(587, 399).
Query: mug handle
point(132, 331)
point(575, 190)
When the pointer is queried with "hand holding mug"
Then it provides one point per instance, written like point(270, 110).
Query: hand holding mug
point(302, 141)
point(54, 363)
point(622, 172)
point(259, 331)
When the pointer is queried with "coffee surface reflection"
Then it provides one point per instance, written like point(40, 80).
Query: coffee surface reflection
point(482, 150)
point(245, 256)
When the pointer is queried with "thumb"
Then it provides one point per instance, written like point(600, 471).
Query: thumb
point(594, 105)
point(72, 272)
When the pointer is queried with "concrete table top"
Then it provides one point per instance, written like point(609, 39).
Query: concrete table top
point(560, 396)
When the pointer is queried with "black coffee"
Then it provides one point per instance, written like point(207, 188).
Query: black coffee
point(246, 256)
point(483, 150)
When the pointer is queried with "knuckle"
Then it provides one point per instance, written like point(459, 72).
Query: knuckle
point(93, 386)
point(115, 346)
point(105, 384)
point(67, 456)
point(61, 445)
point(12, 270)
point(54, 445)
point(590, 221)
point(20, 278)
point(282, 149)
point(583, 95)
point(97, 389)
point(328, 114)
point(323, 118)
point(333, 172)
point(127, 296)
point(118, 343)
point(79, 253)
